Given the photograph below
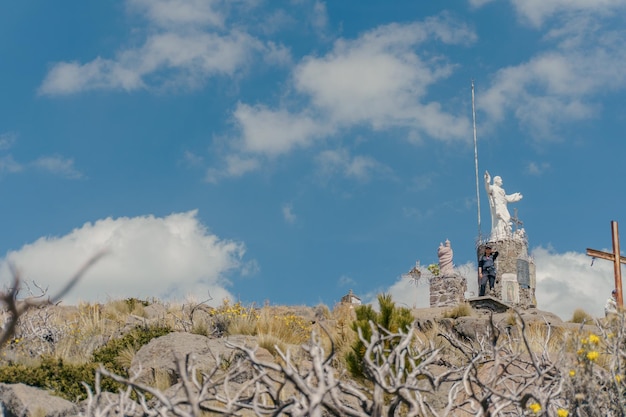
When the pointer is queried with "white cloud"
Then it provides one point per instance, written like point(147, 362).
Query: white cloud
point(288, 213)
point(168, 258)
point(187, 59)
point(7, 140)
point(537, 11)
point(537, 169)
point(376, 80)
point(58, 165)
point(320, 16)
point(346, 281)
point(10, 165)
point(379, 80)
point(73, 77)
point(567, 281)
point(274, 132)
point(235, 166)
point(167, 13)
point(186, 41)
point(554, 88)
point(360, 168)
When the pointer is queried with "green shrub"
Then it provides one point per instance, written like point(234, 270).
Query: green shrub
point(390, 317)
point(108, 354)
point(64, 379)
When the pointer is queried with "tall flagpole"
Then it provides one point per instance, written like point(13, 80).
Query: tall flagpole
point(476, 163)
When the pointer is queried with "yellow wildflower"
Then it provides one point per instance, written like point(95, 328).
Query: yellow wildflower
point(562, 412)
point(594, 339)
point(618, 378)
point(592, 355)
point(584, 341)
point(572, 373)
point(535, 407)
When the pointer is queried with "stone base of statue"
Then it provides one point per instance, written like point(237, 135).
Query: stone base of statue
point(447, 290)
point(516, 275)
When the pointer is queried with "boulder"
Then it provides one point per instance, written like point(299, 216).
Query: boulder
point(20, 400)
point(160, 354)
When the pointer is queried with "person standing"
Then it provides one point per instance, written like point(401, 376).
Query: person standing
point(487, 271)
point(611, 304)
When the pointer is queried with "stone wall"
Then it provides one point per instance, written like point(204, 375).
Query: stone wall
point(520, 281)
point(447, 291)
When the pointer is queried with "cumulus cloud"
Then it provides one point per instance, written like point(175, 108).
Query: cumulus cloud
point(274, 132)
point(167, 257)
point(186, 42)
point(568, 281)
point(554, 88)
point(583, 56)
point(377, 80)
point(187, 58)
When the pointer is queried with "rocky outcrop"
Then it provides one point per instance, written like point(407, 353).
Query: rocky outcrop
point(159, 356)
point(19, 400)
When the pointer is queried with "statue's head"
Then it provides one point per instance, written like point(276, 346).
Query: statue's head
point(497, 180)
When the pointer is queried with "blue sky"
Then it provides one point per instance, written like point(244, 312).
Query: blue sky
point(290, 151)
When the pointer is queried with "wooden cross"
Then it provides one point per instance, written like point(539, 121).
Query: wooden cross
point(617, 259)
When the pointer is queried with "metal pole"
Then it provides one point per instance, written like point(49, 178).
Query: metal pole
point(617, 266)
point(476, 163)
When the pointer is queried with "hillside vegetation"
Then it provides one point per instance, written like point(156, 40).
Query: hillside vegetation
point(344, 361)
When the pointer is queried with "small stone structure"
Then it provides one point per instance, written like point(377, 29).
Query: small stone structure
point(350, 298)
point(447, 289)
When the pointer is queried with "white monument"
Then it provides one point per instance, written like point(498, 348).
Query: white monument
point(501, 227)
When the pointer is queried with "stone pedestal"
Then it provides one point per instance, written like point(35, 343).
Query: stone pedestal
point(516, 277)
point(447, 291)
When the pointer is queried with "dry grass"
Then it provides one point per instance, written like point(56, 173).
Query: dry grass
point(461, 310)
point(581, 316)
point(283, 324)
point(542, 337)
point(126, 356)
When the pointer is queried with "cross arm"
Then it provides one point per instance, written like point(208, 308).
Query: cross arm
point(605, 255)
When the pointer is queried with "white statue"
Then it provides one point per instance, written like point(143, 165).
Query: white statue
point(500, 217)
point(446, 268)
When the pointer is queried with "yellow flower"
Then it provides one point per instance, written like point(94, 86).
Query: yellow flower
point(572, 373)
point(594, 339)
point(618, 379)
point(580, 352)
point(562, 412)
point(584, 341)
point(535, 407)
point(592, 355)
